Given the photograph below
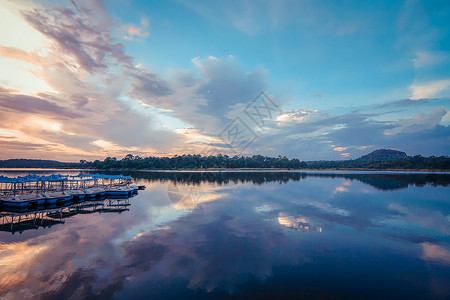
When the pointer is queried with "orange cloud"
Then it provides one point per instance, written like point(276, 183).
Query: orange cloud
point(137, 31)
point(341, 189)
point(340, 149)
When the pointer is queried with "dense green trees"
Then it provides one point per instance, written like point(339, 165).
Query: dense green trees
point(189, 161)
point(265, 162)
point(196, 162)
point(417, 162)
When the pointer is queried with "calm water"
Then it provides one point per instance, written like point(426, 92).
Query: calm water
point(244, 235)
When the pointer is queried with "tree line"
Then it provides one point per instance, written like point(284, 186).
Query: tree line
point(417, 162)
point(190, 161)
point(180, 162)
point(195, 162)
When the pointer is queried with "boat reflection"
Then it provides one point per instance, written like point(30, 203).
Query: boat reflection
point(45, 216)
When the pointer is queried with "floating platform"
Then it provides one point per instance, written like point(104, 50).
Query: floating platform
point(120, 191)
point(24, 201)
point(57, 197)
point(76, 194)
point(33, 191)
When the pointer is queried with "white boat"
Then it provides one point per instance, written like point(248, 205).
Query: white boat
point(57, 197)
point(76, 194)
point(94, 192)
point(119, 191)
point(99, 191)
point(24, 200)
point(134, 188)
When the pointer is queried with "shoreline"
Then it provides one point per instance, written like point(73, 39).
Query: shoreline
point(233, 170)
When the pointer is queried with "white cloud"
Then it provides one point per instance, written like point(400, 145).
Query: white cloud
point(430, 89)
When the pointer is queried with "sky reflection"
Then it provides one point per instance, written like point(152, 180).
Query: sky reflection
point(237, 239)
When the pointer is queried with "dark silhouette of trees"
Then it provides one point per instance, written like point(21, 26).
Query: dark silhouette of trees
point(416, 162)
point(196, 162)
point(189, 161)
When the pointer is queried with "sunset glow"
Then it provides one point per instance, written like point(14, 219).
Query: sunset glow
point(89, 79)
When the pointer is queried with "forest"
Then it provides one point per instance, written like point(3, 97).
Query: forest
point(189, 162)
point(417, 162)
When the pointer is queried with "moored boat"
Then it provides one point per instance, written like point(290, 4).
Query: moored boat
point(89, 193)
point(99, 191)
point(94, 192)
point(57, 197)
point(24, 201)
point(118, 191)
point(134, 188)
point(76, 194)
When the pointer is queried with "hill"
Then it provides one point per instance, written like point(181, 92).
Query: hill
point(33, 163)
point(384, 154)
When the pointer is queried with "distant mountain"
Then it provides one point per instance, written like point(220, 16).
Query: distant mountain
point(33, 163)
point(384, 154)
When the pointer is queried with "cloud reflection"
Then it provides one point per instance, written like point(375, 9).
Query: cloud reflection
point(243, 231)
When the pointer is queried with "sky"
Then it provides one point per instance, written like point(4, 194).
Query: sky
point(304, 79)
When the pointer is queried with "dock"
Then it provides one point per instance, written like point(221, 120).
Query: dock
point(31, 191)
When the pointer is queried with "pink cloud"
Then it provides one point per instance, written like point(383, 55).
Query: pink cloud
point(137, 31)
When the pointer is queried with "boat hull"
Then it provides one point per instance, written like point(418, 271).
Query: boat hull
point(57, 198)
point(23, 204)
point(24, 201)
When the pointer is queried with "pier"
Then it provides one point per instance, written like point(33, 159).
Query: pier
point(13, 221)
point(31, 191)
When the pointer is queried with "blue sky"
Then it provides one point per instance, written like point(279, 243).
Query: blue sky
point(95, 79)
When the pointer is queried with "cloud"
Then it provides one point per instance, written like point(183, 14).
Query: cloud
point(318, 134)
point(436, 252)
point(148, 87)
point(425, 59)
point(430, 89)
point(94, 84)
point(11, 100)
point(341, 189)
point(226, 84)
point(257, 18)
point(133, 31)
point(191, 251)
point(23, 147)
point(100, 102)
point(340, 149)
point(403, 103)
point(318, 95)
point(208, 102)
point(419, 122)
point(91, 44)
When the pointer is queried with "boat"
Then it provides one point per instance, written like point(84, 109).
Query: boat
point(119, 191)
point(94, 192)
point(89, 193)
point(134, 188)
point(57, 197)
point(21, 201)
point(99, 191)
point(76, 194)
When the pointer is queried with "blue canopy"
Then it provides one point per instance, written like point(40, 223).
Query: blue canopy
point(100, 176)
point(59, 177)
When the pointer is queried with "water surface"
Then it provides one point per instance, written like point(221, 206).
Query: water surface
point(241, 235)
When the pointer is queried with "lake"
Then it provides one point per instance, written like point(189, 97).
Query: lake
point(241, 235)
